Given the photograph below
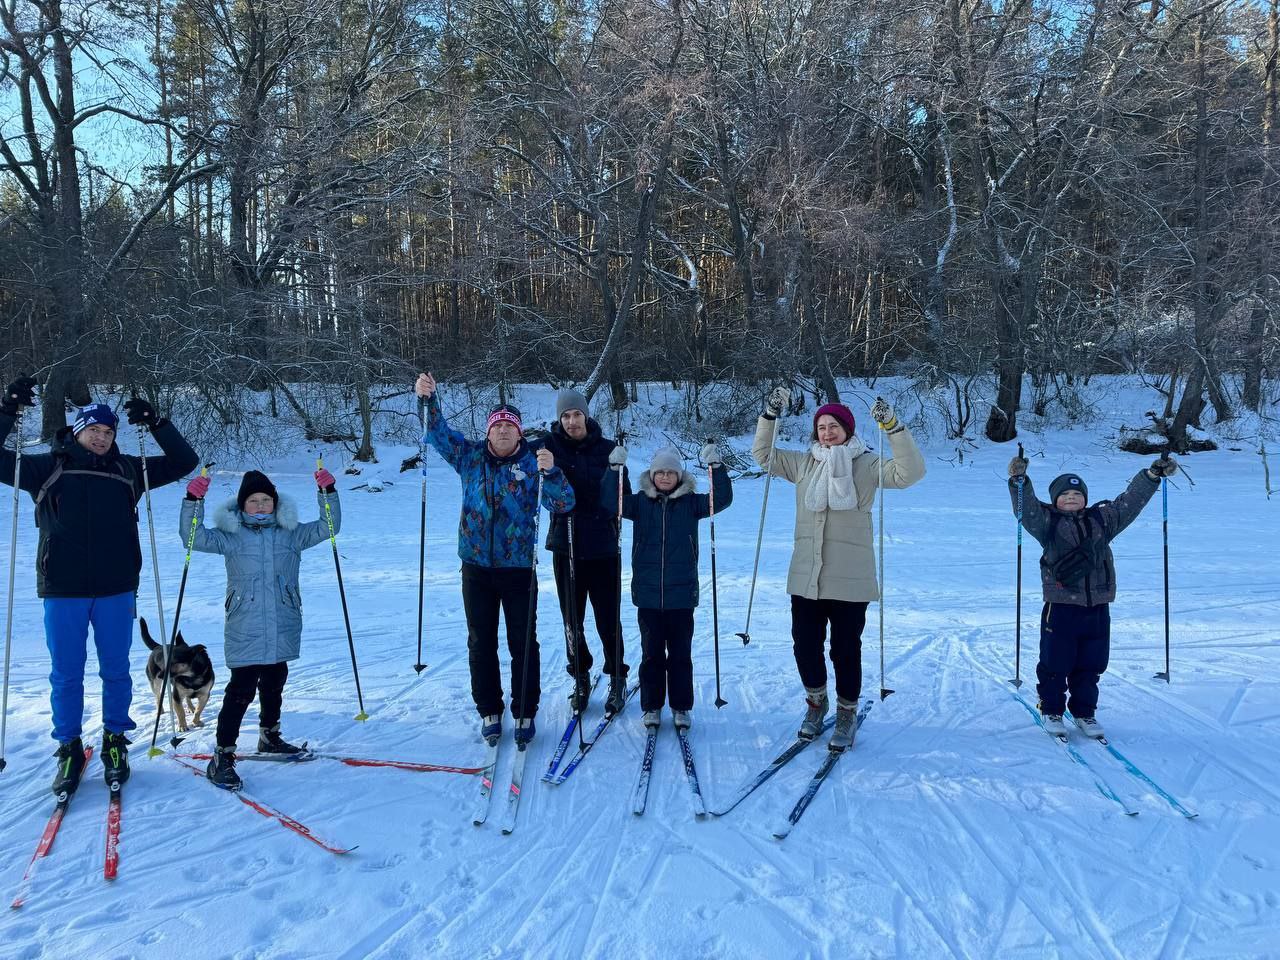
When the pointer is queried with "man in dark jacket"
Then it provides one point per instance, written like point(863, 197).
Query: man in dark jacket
point(1078, 574)
point(582, 452)
point(88, 560)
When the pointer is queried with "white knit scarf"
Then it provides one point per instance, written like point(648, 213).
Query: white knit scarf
point(832, 487)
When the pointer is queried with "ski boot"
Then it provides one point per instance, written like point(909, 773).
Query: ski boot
point(1053, 724)
point(222, 769)
point(617, 698)
point(70, 765)
point(491, 727)
point(270, 741)
point(652, 718)
point(681, 719)
point(846, 727)
point(1090, 727)
point(816, 700)
point(525, 729)
point(581, 694)
point(115, 759)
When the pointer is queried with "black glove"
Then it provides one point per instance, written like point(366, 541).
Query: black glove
point(141, 413)
point(22, 392)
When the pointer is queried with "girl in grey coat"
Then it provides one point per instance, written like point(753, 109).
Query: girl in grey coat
point(259, 537)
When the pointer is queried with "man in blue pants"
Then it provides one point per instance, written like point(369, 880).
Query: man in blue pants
point(88, 560)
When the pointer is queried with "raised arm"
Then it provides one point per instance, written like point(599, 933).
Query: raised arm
point(178, 458)
point(207, 540)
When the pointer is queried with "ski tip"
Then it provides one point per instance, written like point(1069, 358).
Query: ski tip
point(361, 717)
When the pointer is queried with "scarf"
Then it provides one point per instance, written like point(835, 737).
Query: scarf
point(832, 486)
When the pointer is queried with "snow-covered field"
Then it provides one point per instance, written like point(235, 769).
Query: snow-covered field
point(955, 828)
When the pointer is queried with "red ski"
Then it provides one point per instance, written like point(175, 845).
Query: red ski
point(46, 839)
point(112, 862)
point(413, 765)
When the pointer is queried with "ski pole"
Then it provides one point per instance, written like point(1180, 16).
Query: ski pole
point(715, 605)
point(13, 562)
point(764, 505)
point(1164, 496)
point(1017, 623)
point(533, 604)
point(342, 593)
point(182, 589)
point(884, 691)
point(617, 638)
point(153, 750)
point(418, 665)
point(571, 630)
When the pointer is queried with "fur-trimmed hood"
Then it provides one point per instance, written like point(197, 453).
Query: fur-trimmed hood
point(686, 485)
point(227, 516)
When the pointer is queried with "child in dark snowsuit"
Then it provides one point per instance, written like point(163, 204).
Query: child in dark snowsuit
point(664, 569)
point(1078, 574)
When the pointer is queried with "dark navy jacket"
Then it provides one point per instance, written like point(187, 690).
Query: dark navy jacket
point(584, 462)
point(664, 550)
point(88, 517)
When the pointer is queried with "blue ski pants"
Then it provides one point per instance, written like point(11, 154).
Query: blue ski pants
point(66, 631)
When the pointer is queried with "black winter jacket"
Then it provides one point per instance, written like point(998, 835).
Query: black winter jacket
point(88, 517)
point(664, 547)
point(585, 463)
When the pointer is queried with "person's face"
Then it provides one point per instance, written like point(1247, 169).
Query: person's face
point(504, 437)
point(574, 424)
point(1070, 502)
point(260, 504)
point(96, 438)
point(666, 480)
point(831, 432)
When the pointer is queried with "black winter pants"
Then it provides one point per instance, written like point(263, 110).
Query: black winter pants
point(809, 620)
point(267, 680)
point(667, 666)
point(485, 592)
point(1075, 645)
point(597, 579)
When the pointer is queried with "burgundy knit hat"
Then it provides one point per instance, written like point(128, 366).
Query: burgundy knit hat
point(837, 410)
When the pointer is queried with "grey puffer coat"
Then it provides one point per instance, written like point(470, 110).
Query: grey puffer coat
point(264, 601)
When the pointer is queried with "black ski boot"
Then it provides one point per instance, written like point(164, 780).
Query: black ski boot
point(115, 759)
point(617, 698)
point(70, 765)
point(270, 741)
point(581, 694)
point(222, 769)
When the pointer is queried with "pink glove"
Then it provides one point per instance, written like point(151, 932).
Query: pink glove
point(198, 487)
point(324, 478)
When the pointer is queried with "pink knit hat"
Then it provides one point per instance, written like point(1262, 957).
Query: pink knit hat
point(840, 412)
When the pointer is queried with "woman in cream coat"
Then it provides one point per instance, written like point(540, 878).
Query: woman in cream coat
point(832, 577)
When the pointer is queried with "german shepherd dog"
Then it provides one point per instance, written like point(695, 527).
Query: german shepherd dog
point(190, 676)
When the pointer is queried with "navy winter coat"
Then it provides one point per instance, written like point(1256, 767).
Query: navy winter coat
point(88, 517)
point(664, 550)
point(584, 462)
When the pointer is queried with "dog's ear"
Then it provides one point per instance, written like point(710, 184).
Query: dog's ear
point(178, 641)
point(200, 647)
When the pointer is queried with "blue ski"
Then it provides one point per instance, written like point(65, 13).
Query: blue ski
point(641, 796)
point(778, 762)
point(1133, 769)
point(563, 746)
point(691, 773)
point(828, 764)
point(578, 757)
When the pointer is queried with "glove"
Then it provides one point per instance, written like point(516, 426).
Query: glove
point(325, 481)
point(618, 456)
point(141, 413)
point(1166, 466)
point(779, 397)
point(882, 414)
point(1017, 467)
point(20, 393)
point(710, 455)
point(198, 487)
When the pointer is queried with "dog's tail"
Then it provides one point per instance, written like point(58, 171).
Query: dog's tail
point(146, 635)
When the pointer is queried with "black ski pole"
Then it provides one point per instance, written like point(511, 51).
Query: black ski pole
point(571, 632)
point(13, 561)
point(418, 665)
point(153, 750)
point(175, 740)
point(764, 505)
point(617, 637)
point(533, 605)
point(1017, 627)
point(884, 691)
point(715, 604)
point(1164, 497)
point(342, 593)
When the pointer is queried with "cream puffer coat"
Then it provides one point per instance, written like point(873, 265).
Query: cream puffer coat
point(833, 557)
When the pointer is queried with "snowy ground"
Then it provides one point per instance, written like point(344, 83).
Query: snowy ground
point(954, 829)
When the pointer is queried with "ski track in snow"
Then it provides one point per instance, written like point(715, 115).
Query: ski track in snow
point(955, 828)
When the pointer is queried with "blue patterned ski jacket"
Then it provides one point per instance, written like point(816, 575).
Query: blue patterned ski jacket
point(496, 526)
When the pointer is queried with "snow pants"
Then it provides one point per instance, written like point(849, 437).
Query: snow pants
point(596, 579)
point(486, 591)
point(666, 669)
point(66, 631)
point(267, 681)
point(1075, 645)
point(809, 622)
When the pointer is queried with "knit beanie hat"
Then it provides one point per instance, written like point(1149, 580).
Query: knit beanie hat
point(255, 482)
point(667, 459)
point(95, 413)
point(504, 412)
point(837, 410)
point(1068, 481)
point(567, 400)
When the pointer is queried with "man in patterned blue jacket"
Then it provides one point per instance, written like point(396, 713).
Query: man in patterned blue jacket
point(496, 543)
